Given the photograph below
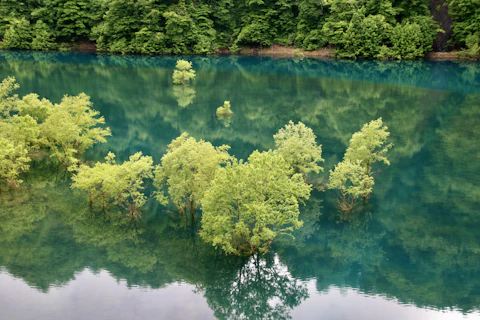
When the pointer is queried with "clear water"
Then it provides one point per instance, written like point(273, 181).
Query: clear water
point(414, 254)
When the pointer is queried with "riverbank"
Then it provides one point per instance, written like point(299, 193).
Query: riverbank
point(279, 51)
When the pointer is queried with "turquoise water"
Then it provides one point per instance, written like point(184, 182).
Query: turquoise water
point(413, 254)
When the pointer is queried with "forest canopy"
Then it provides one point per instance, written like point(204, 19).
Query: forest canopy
point(387, 29)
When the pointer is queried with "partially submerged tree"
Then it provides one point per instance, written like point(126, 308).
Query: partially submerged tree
point(296, 144)
point(71, 128)
point(250, 203)
point(110, 184)
point(187, 170)
point(369, 145)
point(14, 160)
point(353, 177)
point(350, 179)
point(183, 72)
point(224, 111)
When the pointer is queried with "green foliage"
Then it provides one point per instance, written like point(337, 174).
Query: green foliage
point(466, 18)
point(13, 161)
point(43, 38)
point(224, 111)
point(296, 144)
point(251, 203)
point(411, 40)
point(354, 176)
point(18, 35)
point(110, 184)
point(71, 128)
point(369, 145)
point(364, 36)
point(18, 135)
point(350, 179)
point(187, 170)
point(7, 102)
point(183, 72)
point(472, 42)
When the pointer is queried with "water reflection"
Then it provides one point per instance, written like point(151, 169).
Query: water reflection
point(418, 241)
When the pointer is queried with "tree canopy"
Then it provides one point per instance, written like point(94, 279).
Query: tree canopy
point(387, 29)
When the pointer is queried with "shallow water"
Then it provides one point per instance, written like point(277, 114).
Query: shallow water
point(414, 253)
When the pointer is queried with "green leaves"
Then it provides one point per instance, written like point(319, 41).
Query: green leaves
point(67, 129)
point(183, 72)
point(186, 170)
point(353, 177)
point(251, 203)
point(296, 144)
point(110, 184)
point(71, 128)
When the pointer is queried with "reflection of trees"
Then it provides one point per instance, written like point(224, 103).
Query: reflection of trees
point(184, 95)
point(34, 244)
point(259, 288)
point(419, 245)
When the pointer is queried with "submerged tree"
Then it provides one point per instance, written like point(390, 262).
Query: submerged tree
point(14, 160)
point(224, 111)
point(369, 146)
point(296, 144)
point(183, 73)
point(187, 170)
point(250, 203)
point(353, 177)
point(71, 128)
point(110, 184)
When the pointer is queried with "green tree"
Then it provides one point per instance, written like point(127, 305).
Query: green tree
point(183, 72)
point(369, 146)
point(110, 184)
point(43, 39)
point(187, 170)
point(296, 144)
point(71, 128)
point(354, 176)
point(350, 179)
point(18, 35)
point(224, 110)
point(250, 203)
point(13, 161)
point(7, 100)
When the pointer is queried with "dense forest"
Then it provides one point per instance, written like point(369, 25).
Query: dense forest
point(385, 29)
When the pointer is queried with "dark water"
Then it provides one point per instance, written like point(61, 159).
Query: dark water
point(413, 254)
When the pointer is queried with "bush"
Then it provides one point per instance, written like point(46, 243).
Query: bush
point(18, 35)
point(43, 39)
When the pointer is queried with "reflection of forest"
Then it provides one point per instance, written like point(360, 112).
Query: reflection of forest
point(418, 241)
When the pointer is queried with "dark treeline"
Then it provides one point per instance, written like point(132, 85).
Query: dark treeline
point(388, 29)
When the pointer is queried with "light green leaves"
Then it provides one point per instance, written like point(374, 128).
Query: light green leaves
point(71, 128)
point(183, 73)
point(187, 169)
point(296, 144)
point(110, 184)
point(369, 145)
point(353, 177)
point(251, 203)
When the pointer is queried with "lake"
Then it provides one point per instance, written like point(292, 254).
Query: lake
point(412, 253)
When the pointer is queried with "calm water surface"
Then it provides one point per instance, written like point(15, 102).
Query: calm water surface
point(414, 253)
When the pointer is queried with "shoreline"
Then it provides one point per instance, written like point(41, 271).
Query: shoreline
point(279, 51)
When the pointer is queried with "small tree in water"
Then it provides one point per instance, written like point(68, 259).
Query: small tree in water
point(110, 184)
point(296, 144)
point(183, 73)
point(224, 111)
point(354, 175)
